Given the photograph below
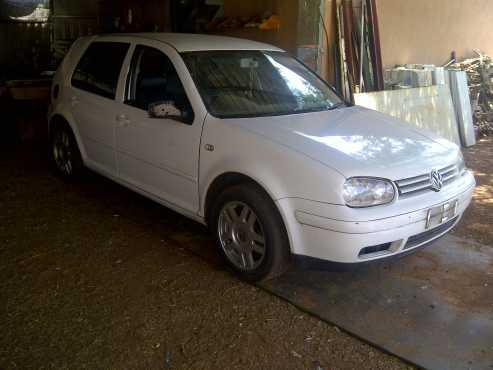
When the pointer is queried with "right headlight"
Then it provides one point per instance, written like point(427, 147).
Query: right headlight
point(361, 192)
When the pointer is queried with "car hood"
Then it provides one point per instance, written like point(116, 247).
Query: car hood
point(358, 142)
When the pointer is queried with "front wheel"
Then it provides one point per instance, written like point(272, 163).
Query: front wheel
point(251, 233)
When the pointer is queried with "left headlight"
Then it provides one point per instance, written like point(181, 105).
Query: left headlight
point(366, 192)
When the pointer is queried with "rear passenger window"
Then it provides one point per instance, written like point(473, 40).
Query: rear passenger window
point(99, 68)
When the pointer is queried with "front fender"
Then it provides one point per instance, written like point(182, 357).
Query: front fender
point(281, 171)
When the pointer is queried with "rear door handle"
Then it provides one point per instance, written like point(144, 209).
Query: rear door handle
point(122, 120)
point(74, 101)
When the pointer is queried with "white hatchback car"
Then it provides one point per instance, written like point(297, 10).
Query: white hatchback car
point(240, 136)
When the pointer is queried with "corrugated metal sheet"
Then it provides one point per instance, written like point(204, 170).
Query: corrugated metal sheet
point(429, 108)
point(462, 104)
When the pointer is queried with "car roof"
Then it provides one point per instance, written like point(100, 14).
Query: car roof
point(184, 42)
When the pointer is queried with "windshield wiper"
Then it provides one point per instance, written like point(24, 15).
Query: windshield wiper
point(337, 106)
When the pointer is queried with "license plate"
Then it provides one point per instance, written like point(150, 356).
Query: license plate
point(441, 214)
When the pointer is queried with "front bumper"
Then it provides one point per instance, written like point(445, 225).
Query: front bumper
point(340, 234)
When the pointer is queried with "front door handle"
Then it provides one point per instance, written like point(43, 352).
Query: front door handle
point(122, 120)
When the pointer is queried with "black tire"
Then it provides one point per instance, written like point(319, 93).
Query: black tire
point(276, 258)
point(64, 153)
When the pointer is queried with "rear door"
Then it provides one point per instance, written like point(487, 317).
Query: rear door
point(94, 85)
point(160, 155)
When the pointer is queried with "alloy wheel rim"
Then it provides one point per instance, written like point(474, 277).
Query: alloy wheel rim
point(62, 152)
point(241, 236)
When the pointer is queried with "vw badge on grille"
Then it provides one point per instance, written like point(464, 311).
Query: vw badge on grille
point(436, 180)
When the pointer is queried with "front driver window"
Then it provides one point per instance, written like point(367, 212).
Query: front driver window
point(152, 79)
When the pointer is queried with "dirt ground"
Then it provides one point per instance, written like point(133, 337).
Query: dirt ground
point(477, 223)
point(95, 276)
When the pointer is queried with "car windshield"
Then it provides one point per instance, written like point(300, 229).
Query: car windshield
point(257, 83)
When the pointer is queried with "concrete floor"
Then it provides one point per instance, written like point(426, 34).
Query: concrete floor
point(95, 276)
point(433, 308)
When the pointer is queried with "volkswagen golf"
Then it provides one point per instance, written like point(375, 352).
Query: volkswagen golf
point(240, 136)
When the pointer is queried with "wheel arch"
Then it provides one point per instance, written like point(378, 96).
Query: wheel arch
point(218, 185)
point(229, 179)
point(58, 119)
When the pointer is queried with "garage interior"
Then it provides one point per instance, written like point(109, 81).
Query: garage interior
point(95, 276)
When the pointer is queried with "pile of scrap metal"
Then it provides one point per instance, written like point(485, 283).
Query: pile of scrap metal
point(358, 60)
point(480, 79)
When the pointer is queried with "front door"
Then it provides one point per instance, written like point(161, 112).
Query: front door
point(159, 155)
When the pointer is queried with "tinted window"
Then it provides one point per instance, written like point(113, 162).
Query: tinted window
point(99, 68)
point(153, 78)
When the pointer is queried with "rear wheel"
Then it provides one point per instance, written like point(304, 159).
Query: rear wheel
point(65, 155)
point(251, 233)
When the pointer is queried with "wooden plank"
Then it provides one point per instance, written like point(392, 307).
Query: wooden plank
point(347, 13)
point(377, 57)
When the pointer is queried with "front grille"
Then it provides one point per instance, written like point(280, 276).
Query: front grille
point(429, 235)
point(420, 184)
